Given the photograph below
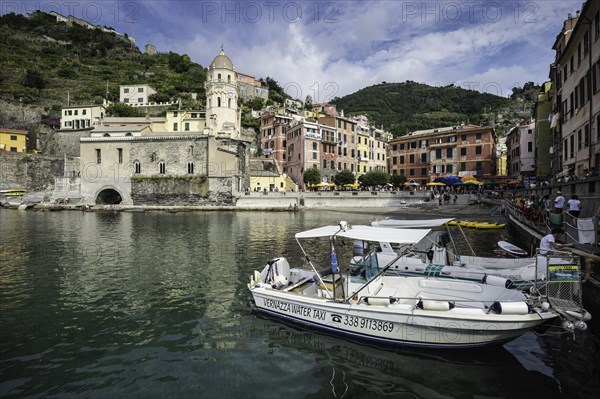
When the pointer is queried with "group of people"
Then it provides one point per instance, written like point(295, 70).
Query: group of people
point(573, 205)
point(535, 206)
point(445, 198)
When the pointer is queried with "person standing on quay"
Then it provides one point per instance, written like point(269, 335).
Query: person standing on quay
point(574, 206)
point(559, 202)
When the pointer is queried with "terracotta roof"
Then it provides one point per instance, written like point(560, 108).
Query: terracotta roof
point(13, 131)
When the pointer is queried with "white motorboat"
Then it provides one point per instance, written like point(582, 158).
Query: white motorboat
point(434, 257)
point(365, 303)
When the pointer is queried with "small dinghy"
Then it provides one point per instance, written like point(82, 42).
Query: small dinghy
point(512, 249)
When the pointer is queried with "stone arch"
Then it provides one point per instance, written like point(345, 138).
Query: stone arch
point(108, 196)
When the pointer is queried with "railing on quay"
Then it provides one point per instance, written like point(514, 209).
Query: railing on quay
point(584, 233)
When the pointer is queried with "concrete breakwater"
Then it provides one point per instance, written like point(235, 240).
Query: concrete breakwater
point(329, 199)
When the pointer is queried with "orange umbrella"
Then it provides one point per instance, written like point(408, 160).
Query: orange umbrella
point(465, 179)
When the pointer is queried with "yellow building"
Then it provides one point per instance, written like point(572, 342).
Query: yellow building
point(13, 140)
point(185, 121)
point(363, 149)
point(265, 174)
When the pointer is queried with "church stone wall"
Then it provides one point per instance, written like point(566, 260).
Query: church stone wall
point(170, 190)
point(176, 154)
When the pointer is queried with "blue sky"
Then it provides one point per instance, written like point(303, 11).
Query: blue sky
point(334, 48)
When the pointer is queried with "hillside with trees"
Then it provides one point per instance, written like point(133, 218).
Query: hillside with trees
point(409, 106)
point(43, 60)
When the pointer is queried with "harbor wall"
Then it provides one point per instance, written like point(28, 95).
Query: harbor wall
point(330, 199)
point(29, 171)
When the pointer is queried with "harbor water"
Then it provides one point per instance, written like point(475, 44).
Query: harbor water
point(155, 304)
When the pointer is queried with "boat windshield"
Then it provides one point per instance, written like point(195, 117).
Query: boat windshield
point(367, 266)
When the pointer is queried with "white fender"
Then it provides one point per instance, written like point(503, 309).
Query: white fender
point(435, 305)
point(497, 281)
point(586, 316)
point(510, 307)
point(378, 301)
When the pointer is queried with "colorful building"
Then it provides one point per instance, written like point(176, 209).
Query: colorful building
point(303, 149)
point(520, 150)
point(425, 155)
point(13, 140)
point(80, 117)
point(543, 134)
point(135, 94)
point(273, 131)
point(576, 73)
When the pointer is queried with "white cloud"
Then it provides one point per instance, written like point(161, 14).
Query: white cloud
point(498, 81)
point(352, 44)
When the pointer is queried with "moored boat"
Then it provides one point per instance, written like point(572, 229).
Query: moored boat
point(365, 303)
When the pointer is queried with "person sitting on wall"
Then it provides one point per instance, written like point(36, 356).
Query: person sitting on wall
point(548, 243)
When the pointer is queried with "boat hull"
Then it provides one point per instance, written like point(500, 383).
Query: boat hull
point(399, 325)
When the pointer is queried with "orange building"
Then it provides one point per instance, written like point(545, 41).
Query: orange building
point(456, 150)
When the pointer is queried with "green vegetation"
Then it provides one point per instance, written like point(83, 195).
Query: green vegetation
point(312, 176)
point(43, 60)
point(121, 110)
point(374, 178)
point(276, 92)
point(409, 106)
point(344, 177)
point(397, 180)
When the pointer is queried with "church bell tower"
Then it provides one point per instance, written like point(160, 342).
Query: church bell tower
point(223, 117)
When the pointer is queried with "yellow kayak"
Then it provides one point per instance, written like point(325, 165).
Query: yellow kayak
point(476, 225)
point(487, 225)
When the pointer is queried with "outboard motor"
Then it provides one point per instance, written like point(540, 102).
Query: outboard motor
point(276, 273)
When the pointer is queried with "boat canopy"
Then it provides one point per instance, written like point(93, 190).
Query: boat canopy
point(406, 224)
point(368, 233)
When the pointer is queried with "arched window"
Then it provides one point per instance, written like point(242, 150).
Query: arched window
point(129, 135)
point(137, 167)
point(106, 135)
point(229, 103)
point(190, 168)
point(218, 101)
point(209, 103)
point(228, 78)
point(162, 168)
point(219, 77)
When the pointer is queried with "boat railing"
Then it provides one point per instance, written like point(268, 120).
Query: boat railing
point(425, 296)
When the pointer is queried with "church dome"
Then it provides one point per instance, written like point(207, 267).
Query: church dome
point(221, 61)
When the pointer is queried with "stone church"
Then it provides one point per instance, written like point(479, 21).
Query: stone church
point(190, 157)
